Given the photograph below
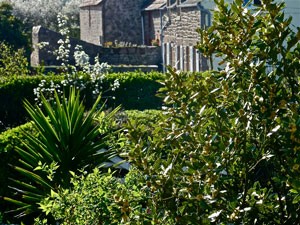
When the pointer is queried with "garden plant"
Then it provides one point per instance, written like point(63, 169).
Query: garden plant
point(68, 140)
point(228, 150)
point(224, 151)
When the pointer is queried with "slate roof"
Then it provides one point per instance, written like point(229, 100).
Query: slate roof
point(156, 4)
point(189, 3)
point(90, 2)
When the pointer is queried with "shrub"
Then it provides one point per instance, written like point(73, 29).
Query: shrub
point(228, 151)
point(9, 141)
point(12, 62)
point(148, 117)
point(137, 91)
point(13, 90)
point(98, 198)
point(68, 140)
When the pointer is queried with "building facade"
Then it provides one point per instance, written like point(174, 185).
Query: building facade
point(168, 24)
point(103, 21)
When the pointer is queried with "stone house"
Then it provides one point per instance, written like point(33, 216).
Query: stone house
point(169, 24)
point(140, 25)
point(103, 21)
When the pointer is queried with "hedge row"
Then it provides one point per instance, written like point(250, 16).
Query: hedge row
point(137, 91)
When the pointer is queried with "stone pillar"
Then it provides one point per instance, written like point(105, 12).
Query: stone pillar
point(181, 65)
point(177, 57)
point(197, 61)
point(191, 59)
point(168, 54)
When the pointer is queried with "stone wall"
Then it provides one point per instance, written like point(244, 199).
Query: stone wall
point(112, 21)
point(122, 21)
point(183, 22)
point(180, 38)
point(91, 26)
point(152, 26)
point(148, 55)
point(127, 56)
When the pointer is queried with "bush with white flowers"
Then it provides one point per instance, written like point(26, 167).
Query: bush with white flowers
point(81, 75)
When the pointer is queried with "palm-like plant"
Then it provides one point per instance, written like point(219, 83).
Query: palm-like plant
point(69, 140)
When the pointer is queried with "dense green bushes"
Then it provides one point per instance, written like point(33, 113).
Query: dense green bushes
point(12, 139)
point(99, 198)
point(9, 141)
point(227, 151)
point(137, 91)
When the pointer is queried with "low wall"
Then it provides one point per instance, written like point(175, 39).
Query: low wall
point(121, 56)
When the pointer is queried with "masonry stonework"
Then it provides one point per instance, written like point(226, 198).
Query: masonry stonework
point(122, 21)
point(181, 36)
point(91, 24)
point(116, 57)
point(168, 24)
point(104, 21)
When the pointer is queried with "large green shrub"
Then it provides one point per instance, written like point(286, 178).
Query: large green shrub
point(137, 91)
point(228, 152)
point(98, 198)
point(68, 140)
point(13, 91)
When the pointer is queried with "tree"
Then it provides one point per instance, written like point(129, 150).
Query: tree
point(12, 30)
point(44, 13)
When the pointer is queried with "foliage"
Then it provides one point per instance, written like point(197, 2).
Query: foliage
point(40, 12)
point(74, 74)
point(12, 62)
point(14, 90)
point(140, 90)
point(68, 140)
point(98, 198)
point(228, 152)
point(148, 117)
point(12, 30)
point(9, 141)
point(11, 138)
point(137, 91)
point(228, 149)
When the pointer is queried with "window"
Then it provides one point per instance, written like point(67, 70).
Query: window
point(170, 2)
point(255, 2)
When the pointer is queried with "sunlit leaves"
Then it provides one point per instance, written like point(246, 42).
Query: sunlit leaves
point(68, 139)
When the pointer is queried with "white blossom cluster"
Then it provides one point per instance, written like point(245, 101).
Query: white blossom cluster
point(82, 60)
point(46, 89)
point(95, 73)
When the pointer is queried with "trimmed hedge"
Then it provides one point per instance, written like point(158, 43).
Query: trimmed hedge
point(137, 91)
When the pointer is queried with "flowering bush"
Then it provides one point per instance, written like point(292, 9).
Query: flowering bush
point(74, 74)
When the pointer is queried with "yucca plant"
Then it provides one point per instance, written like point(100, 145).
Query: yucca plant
point(69, 140)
